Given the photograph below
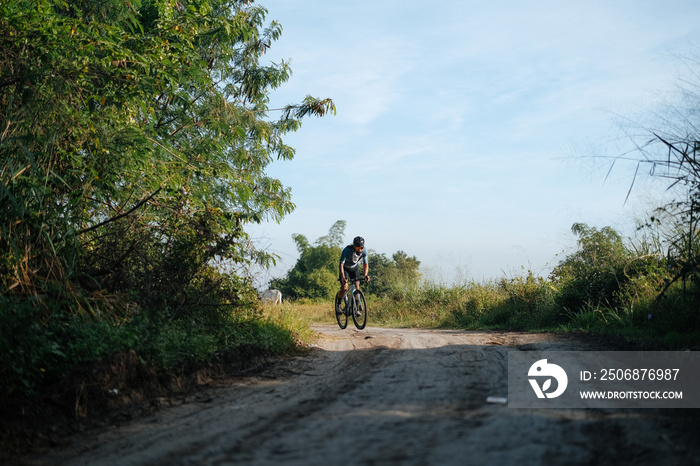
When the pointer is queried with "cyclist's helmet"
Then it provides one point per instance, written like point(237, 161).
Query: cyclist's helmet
point(358, 242)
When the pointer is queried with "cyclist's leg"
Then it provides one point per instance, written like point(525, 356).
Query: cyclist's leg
point(357, 299)
point(344, 286)
point(342, 292)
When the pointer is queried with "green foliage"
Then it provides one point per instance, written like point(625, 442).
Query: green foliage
point(28, 348)
point(102, 124)
point(315, 274)
point(134, 142)
point(334, 238)
point(528, 303)
point(675, 230)
point(672, 323)
point(394, 277)
point(595, 272)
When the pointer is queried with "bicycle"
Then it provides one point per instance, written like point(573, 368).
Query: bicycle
point(356, 307)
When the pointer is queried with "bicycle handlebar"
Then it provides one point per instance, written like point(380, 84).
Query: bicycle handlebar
point(365, 278)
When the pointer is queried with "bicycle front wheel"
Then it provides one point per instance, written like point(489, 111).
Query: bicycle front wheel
point(359, 315)
point(342, 316)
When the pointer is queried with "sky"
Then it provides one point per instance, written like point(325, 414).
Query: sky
point(470, 134)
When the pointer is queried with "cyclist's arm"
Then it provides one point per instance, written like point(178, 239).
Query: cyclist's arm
point(366, 264)
point(341, 270)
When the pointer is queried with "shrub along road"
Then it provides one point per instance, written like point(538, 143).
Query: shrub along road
point(389, 396)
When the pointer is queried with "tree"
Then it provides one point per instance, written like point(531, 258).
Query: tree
point(134, 140)
point(595, 272)
point(392, 277)
point(315, 274)
point(334, 238)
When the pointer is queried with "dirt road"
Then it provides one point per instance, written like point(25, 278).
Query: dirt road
point(390, 396)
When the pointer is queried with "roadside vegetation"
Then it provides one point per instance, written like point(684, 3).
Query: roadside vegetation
point(134, 141)
point(607, 286)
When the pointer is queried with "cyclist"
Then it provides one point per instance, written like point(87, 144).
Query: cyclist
point(350, 267)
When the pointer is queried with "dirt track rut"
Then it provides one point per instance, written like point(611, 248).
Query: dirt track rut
point(389, 396)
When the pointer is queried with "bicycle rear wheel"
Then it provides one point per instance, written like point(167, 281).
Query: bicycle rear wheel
point(342, 317)
point(359, 315)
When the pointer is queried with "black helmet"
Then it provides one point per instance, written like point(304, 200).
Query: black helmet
point(358, 242)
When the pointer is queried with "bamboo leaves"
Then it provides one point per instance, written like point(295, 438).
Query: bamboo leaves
point(145, 119)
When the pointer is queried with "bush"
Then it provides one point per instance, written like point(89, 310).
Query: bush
point(29, 349)
point(393, 277)
point(595, 273)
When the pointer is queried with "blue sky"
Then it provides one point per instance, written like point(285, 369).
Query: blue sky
point(464, 127)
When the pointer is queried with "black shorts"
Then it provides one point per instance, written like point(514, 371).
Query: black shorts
point(352, 275)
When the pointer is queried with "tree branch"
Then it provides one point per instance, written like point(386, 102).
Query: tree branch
point(114, 219)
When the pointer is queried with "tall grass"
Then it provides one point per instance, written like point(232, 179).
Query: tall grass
point(509, 303)
point(531, 304)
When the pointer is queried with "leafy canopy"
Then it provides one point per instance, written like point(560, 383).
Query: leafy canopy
point(134, 131)
point(134, 142)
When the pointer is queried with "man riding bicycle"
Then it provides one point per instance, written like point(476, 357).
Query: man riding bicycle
point(350, 268)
